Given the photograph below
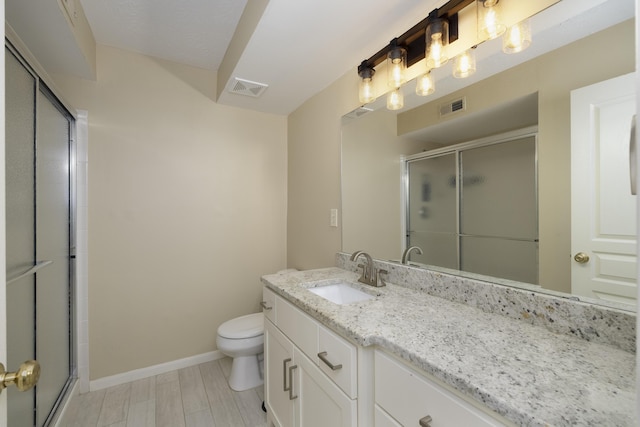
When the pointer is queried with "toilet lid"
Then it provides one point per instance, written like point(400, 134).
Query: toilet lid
point(248, 326)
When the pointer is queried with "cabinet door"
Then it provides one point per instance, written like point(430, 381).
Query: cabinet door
point(278, 357)
point(320, 402)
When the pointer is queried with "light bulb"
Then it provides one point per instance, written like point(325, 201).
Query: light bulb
point(517, 38)
point(490, 23)
point(395, 99)
point(425, 84)
point(465, 64)
point(437, 39)
point(396, 65)
point(366, 93)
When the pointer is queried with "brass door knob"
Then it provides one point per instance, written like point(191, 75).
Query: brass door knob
point(581, 258)
point(24, 378)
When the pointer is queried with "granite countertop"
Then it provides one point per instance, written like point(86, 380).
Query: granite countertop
point(526, 373)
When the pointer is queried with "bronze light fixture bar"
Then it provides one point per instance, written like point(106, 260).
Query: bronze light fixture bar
point(413, 40)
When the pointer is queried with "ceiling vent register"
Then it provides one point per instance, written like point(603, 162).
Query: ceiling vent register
point(453, 106)
point(246, 87)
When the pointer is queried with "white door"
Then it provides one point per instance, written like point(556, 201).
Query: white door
point(603, 210)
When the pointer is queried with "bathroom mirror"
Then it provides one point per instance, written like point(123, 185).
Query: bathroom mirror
point(529, 90)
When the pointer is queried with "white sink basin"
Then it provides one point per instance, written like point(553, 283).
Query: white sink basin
point(340, 293)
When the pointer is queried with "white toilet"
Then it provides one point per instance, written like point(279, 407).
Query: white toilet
point(242, 339)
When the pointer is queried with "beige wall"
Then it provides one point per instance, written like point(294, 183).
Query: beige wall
point(372, 184)
point(187, 209)
point(553, 76)
point(314, 175)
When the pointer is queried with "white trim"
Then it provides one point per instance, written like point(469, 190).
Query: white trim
point(151, 371)
point(82, 250)
point(61, 420)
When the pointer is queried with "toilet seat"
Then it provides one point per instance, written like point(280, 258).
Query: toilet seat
point(249, 326)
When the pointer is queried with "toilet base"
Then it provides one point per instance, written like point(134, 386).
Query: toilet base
point(245, 373)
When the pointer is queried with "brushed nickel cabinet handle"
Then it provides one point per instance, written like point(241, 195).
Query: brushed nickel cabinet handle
point(291, 368)
point(323, 357)
point(284, 374)
point(425, 421)
point(265, 306)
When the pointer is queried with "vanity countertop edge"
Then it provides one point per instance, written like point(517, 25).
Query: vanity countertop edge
point(526, 373)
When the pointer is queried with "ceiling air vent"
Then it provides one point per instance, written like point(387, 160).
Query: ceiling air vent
point(246, 87)
point(453, 106)
point(358, 112)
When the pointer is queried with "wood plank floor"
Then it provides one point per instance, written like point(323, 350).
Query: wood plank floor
point(198, 396)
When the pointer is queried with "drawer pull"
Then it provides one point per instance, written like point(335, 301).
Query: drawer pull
point(284, 374)
point(291, 396)
point(426, 421)
point(265, 306)
point(323, 357)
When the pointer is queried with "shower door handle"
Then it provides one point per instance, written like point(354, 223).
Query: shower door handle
point(39, 265)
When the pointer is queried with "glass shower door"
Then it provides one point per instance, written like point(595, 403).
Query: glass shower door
point(499, 210)
point(39, 225)
point(432, 219)
point(20, 96)
point(53, 319)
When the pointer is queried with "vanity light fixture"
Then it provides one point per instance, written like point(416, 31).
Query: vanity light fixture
point(395, 99)
point(490, 23)
point(436, 40)
point(396, 64)
point(517, 38)
point(366, 91)
point(465, 64)
point(425, 84)
point(429, 40)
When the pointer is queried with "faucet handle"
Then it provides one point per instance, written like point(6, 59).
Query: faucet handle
point(379, 280)
point(364, 272)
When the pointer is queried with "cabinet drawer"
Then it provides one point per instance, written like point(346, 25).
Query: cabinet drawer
point(337, 351)
point(382, 419)
point(408, 396)
point(300, 328)
point(269, 304)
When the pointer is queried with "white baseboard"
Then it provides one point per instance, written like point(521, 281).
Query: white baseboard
point(151, 371)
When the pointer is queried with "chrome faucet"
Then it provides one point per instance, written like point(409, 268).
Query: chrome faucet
point(407, 252)
point(370, 276)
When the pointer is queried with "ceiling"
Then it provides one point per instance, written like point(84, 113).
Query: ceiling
point(297, 48)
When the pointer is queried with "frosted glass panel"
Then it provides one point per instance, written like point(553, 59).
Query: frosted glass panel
point(432, 194)
point(19, 173)
point(52, 230)
point(508, 259)
point(432, 210)
point(439, 249)
point(498, 195)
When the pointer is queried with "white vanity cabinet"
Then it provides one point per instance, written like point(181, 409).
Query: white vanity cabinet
point(404, 397)
point(300, 388)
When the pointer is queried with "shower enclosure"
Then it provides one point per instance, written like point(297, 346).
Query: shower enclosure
point(473, 207)
point(40, 239)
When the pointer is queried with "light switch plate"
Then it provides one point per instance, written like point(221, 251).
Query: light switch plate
point(334, 218)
